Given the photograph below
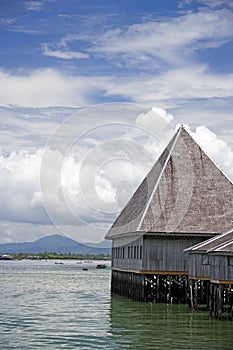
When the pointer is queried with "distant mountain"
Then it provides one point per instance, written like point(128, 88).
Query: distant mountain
point(54, 243)
point(103, 244)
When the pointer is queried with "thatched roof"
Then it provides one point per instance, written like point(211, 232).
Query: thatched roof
point(185, 192)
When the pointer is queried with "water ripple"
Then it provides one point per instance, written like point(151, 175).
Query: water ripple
point(48, 306)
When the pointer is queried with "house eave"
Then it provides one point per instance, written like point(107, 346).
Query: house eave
point(126, 234)
point(170, 235)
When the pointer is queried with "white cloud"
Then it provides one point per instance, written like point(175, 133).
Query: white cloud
point(19, 185)
point(212, 3)
point(171, 40)
point(217, 149)
point(66, 55)
point(157, 43)
point(159, 122)
point(190, 82)
point(7, 21)
point(88, 183)
point(48, 87)
point(94, 180)
point(195, 81)
point(69, 204)
point(29, 128)
point(33, 5)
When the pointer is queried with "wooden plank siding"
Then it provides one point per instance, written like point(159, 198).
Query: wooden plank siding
point(127, 256)
point(221, 268)
point(164, 254)
point(155, 254)
point(211, 259)
point(199, 266)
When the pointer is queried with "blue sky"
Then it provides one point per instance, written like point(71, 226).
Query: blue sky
point(108, 43)
point(60, 56)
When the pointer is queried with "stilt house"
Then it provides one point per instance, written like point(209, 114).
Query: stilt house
point(200, 257)
point(210, 265)
point(184, 200)
point(221, 263)
point(221, 280)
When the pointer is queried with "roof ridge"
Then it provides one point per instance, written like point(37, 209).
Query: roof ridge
point(158, 179)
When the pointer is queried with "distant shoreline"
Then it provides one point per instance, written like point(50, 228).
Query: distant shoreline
point(54, 256)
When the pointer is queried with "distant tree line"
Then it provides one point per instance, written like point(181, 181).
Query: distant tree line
point(54, 255)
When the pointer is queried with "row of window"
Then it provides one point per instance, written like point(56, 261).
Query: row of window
point(130, 252)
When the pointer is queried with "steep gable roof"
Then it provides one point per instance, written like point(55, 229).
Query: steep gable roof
point(185, 192)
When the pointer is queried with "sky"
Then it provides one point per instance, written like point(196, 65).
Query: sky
point(91, 93)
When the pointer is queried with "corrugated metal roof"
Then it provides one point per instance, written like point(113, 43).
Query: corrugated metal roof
point(224, 248)
point(212, 243)
point(185, 192)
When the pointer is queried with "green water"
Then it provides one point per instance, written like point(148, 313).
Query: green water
point(44, 305)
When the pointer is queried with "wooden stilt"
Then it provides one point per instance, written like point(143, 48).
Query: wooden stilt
point(191, 294)
point(174, 289)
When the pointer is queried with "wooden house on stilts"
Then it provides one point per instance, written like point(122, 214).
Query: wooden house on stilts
point(212, 261)
point(185, 199)
point(221, 280)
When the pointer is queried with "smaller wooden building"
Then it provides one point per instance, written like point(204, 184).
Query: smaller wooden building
point(199, 257)
point(221, 279)
point(211, 274)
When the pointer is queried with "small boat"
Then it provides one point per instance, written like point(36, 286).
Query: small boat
point(85, 269)
point(6, 257)
point(101, 266)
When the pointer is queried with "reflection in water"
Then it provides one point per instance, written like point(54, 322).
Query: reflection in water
point(137, 325)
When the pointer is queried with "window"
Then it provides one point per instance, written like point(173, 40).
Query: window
point(205, 259)
point(134, 252)
point(230, 260)
point(140, 255)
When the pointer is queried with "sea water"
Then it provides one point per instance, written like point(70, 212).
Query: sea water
point(58, 305)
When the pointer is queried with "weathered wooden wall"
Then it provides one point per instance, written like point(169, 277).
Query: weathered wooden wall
point(165, 254)
point(157, 253)
point(127, 254)
point(199, 266)
point(221, 268)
